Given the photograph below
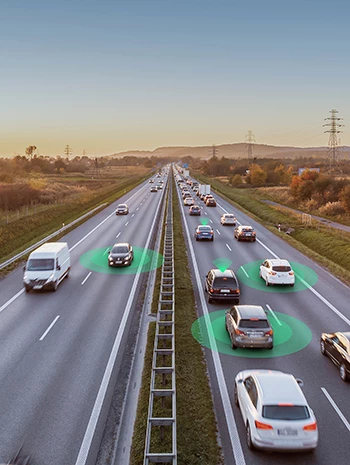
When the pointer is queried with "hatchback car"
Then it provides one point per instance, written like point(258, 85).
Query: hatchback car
point(210, 202)
point(275, 411)
point(122, 209)
point(195, 210)
point(204, 232)
point(188, 201)
point(222, 285)
point(228, 219)
point(248, 326)
point(337, 347)
point(245, 233)
point(121, 254)
point(276, 271)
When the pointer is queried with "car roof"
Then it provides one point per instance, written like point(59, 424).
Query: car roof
point(223, 274)
point(246, 226)
point(251, 311)
point(122, 205)
point(228, 214)
point(278, 388)
point(117, 244)
point(278, 261)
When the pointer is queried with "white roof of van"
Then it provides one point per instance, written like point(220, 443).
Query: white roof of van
point(51, 247)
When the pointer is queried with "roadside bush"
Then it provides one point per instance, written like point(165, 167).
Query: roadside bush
point(332, 209)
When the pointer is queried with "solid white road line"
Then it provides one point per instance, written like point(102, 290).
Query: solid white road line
point(11, 300)
point(119, 233)
point(273, 314)
point(229, 248)
point(91, 427)
point(218, 232)
point(48, 329)
point(104, 253)
point(336, 408)
point(225, 398)
point(87, 277)
point(244, 271)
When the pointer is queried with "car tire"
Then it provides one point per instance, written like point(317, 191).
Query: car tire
point(249, 438)
point(233, 345)
point(270, 348)
point(212, 239)
point(210, 300)
point(55, 286)
point(267, 281)
point(196, 238)
point(235, 396)
point(27, 288)
point(342, 371)
point(323, 348)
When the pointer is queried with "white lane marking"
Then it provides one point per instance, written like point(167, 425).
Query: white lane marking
point(229, 248)
point(132, 215)
point(225, 398)
point(100, 398)
point(138, 208)
point(205, 213)
point(119, 233)
point(11, 300)
point(210, 221)
point(87, 277)
point(336, 408)
point(273, 314)
point(126, 223)
point(244, 271)
point(104, 253)
point(48, 329)
point(218, 232)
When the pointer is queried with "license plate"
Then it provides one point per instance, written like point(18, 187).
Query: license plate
point(224, 290)
point(37, 287)
point(287, 432)
point(254, 335)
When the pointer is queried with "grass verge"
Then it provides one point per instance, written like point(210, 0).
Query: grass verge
point(196, 424)
point(326, 246)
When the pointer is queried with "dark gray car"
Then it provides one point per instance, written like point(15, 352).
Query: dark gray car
point(121, 254)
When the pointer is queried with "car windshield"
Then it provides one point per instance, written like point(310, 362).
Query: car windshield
point(254, 324)
point(41, 264)
point(228, 216)
point(120, 249)
point(121, 207)
point(225, 282)
point(281, 268)
point(285, 412)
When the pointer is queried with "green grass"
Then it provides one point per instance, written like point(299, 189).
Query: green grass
point(327, 246)
point(196, 424)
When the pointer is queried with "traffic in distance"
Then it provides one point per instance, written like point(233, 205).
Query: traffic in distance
point(275, 412)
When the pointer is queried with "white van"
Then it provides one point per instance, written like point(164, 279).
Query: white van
point(47, 266)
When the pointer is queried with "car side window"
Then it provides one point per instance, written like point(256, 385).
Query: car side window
point(342, 344)
point(335, 339)
point(234, 314)
point(251, 390)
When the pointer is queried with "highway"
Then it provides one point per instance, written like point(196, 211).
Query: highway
point(318, 303)
point(64, 353)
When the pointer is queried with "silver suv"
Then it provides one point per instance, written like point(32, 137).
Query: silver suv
point(248, 326)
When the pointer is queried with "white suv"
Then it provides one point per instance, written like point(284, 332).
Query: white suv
point(276, 271)
point(275, 412)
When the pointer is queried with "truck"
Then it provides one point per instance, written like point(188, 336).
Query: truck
point(204, 189)
point(47, 266)
point(186, 173)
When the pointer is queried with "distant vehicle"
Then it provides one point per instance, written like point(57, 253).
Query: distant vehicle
point(245, 233)
point(206, 197)
point(337, 347)
point(275, 412)
point(248, 326)
point(121, 254)
point(210, 202)
point(222, 285)
point(153, 189)
point(122, 209)
point(47, 266)
point(151, 181)
point(195, 210)
point(159, 186)
point(228, 219)
point(188, 201)
point(204, 189)
point(277, 271)
point(205, 232)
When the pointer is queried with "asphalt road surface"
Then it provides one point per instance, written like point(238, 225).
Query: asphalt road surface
point(318, 303)
point(61, 352)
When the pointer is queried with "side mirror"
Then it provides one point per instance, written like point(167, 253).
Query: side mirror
point(58, 267)
point(240, 381)
point(24, 268)
point(300, 382)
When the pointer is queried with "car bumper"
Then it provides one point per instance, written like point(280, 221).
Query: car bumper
point(285, 444)
point(234, 297)
point(281, 282)
point(123, 263)
point(204, 238)
point(246, 238)
point(252, 343)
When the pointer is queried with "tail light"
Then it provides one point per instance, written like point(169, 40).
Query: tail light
point(260, 425)
point(311, 427)
point(291, 273)
point(269, 333)
point(272, 273)
point(238, 331)
point(234, 291)
point(254, 233)
point(211, 233)
point(214, 291)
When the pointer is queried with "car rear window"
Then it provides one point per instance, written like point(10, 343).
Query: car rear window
point(285, 412)
point(204, 228)
point(281, 268)
point(254, 323)
point(225, 282)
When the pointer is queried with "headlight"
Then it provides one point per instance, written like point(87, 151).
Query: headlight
point(50, 278)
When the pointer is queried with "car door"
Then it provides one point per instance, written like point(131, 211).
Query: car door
point(264, 267)
point(332, 349)
point(341, 350)
point(249, 400)
point(232, 323)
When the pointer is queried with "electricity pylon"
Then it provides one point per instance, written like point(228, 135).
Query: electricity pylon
point(250, 140)
point(333, 145)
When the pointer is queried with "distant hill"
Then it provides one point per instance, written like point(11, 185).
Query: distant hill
point(234, 151)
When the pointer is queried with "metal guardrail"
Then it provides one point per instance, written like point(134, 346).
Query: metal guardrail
point(47, 238)
point(163, 386)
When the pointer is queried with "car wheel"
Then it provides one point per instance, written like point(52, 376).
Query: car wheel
point(235, 396)
point(270, 348)
point(342, 371)
point(267, 281)
point(210, 300)
point(196, 238)
point(291, 285)
point(249, 438)
point(27, 288)
point(323, 348)
point(212, 239)
point(233, 345)
point(55, 286)
point(260, 274)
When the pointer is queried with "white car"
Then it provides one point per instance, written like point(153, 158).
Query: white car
point(277, 271)
point(188, 201)
point(275, 411)
point(228, 219)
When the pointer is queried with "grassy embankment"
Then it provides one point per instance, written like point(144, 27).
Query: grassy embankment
point(196, 423)
point(20, 234)
point(327, 246)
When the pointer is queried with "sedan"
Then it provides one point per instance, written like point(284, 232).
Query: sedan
point(228, 219)
point(195, 210)
point(121, 254)
point(188, 201)
point(337, 347)
point(210, 202)
point(154, 189)
point(245, 233)
point(275, 412)
point(122, 209)
point(277, 271)
point(204, 232)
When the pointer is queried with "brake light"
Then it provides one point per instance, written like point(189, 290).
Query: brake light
point(234, 291)
point(214, 290)
point(260, 425)
point(269, 333)
point(238, 331)
point(272, 273)
point(291, 273)
point(311, 427)
point(285, 404)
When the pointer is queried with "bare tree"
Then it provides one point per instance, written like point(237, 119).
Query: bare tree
point(30, 151)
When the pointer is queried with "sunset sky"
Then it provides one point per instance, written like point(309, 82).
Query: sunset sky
point(115, 75)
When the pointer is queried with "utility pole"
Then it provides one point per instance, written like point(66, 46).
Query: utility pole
point(333, 145)
point(67, 151)
point(214, 151)
point(250, 141)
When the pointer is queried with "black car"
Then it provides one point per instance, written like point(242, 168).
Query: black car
point(222, 285)
point(337, 347)
point(122, 209)
point(121, 254)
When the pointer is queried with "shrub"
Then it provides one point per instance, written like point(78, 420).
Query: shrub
point(332, 209)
